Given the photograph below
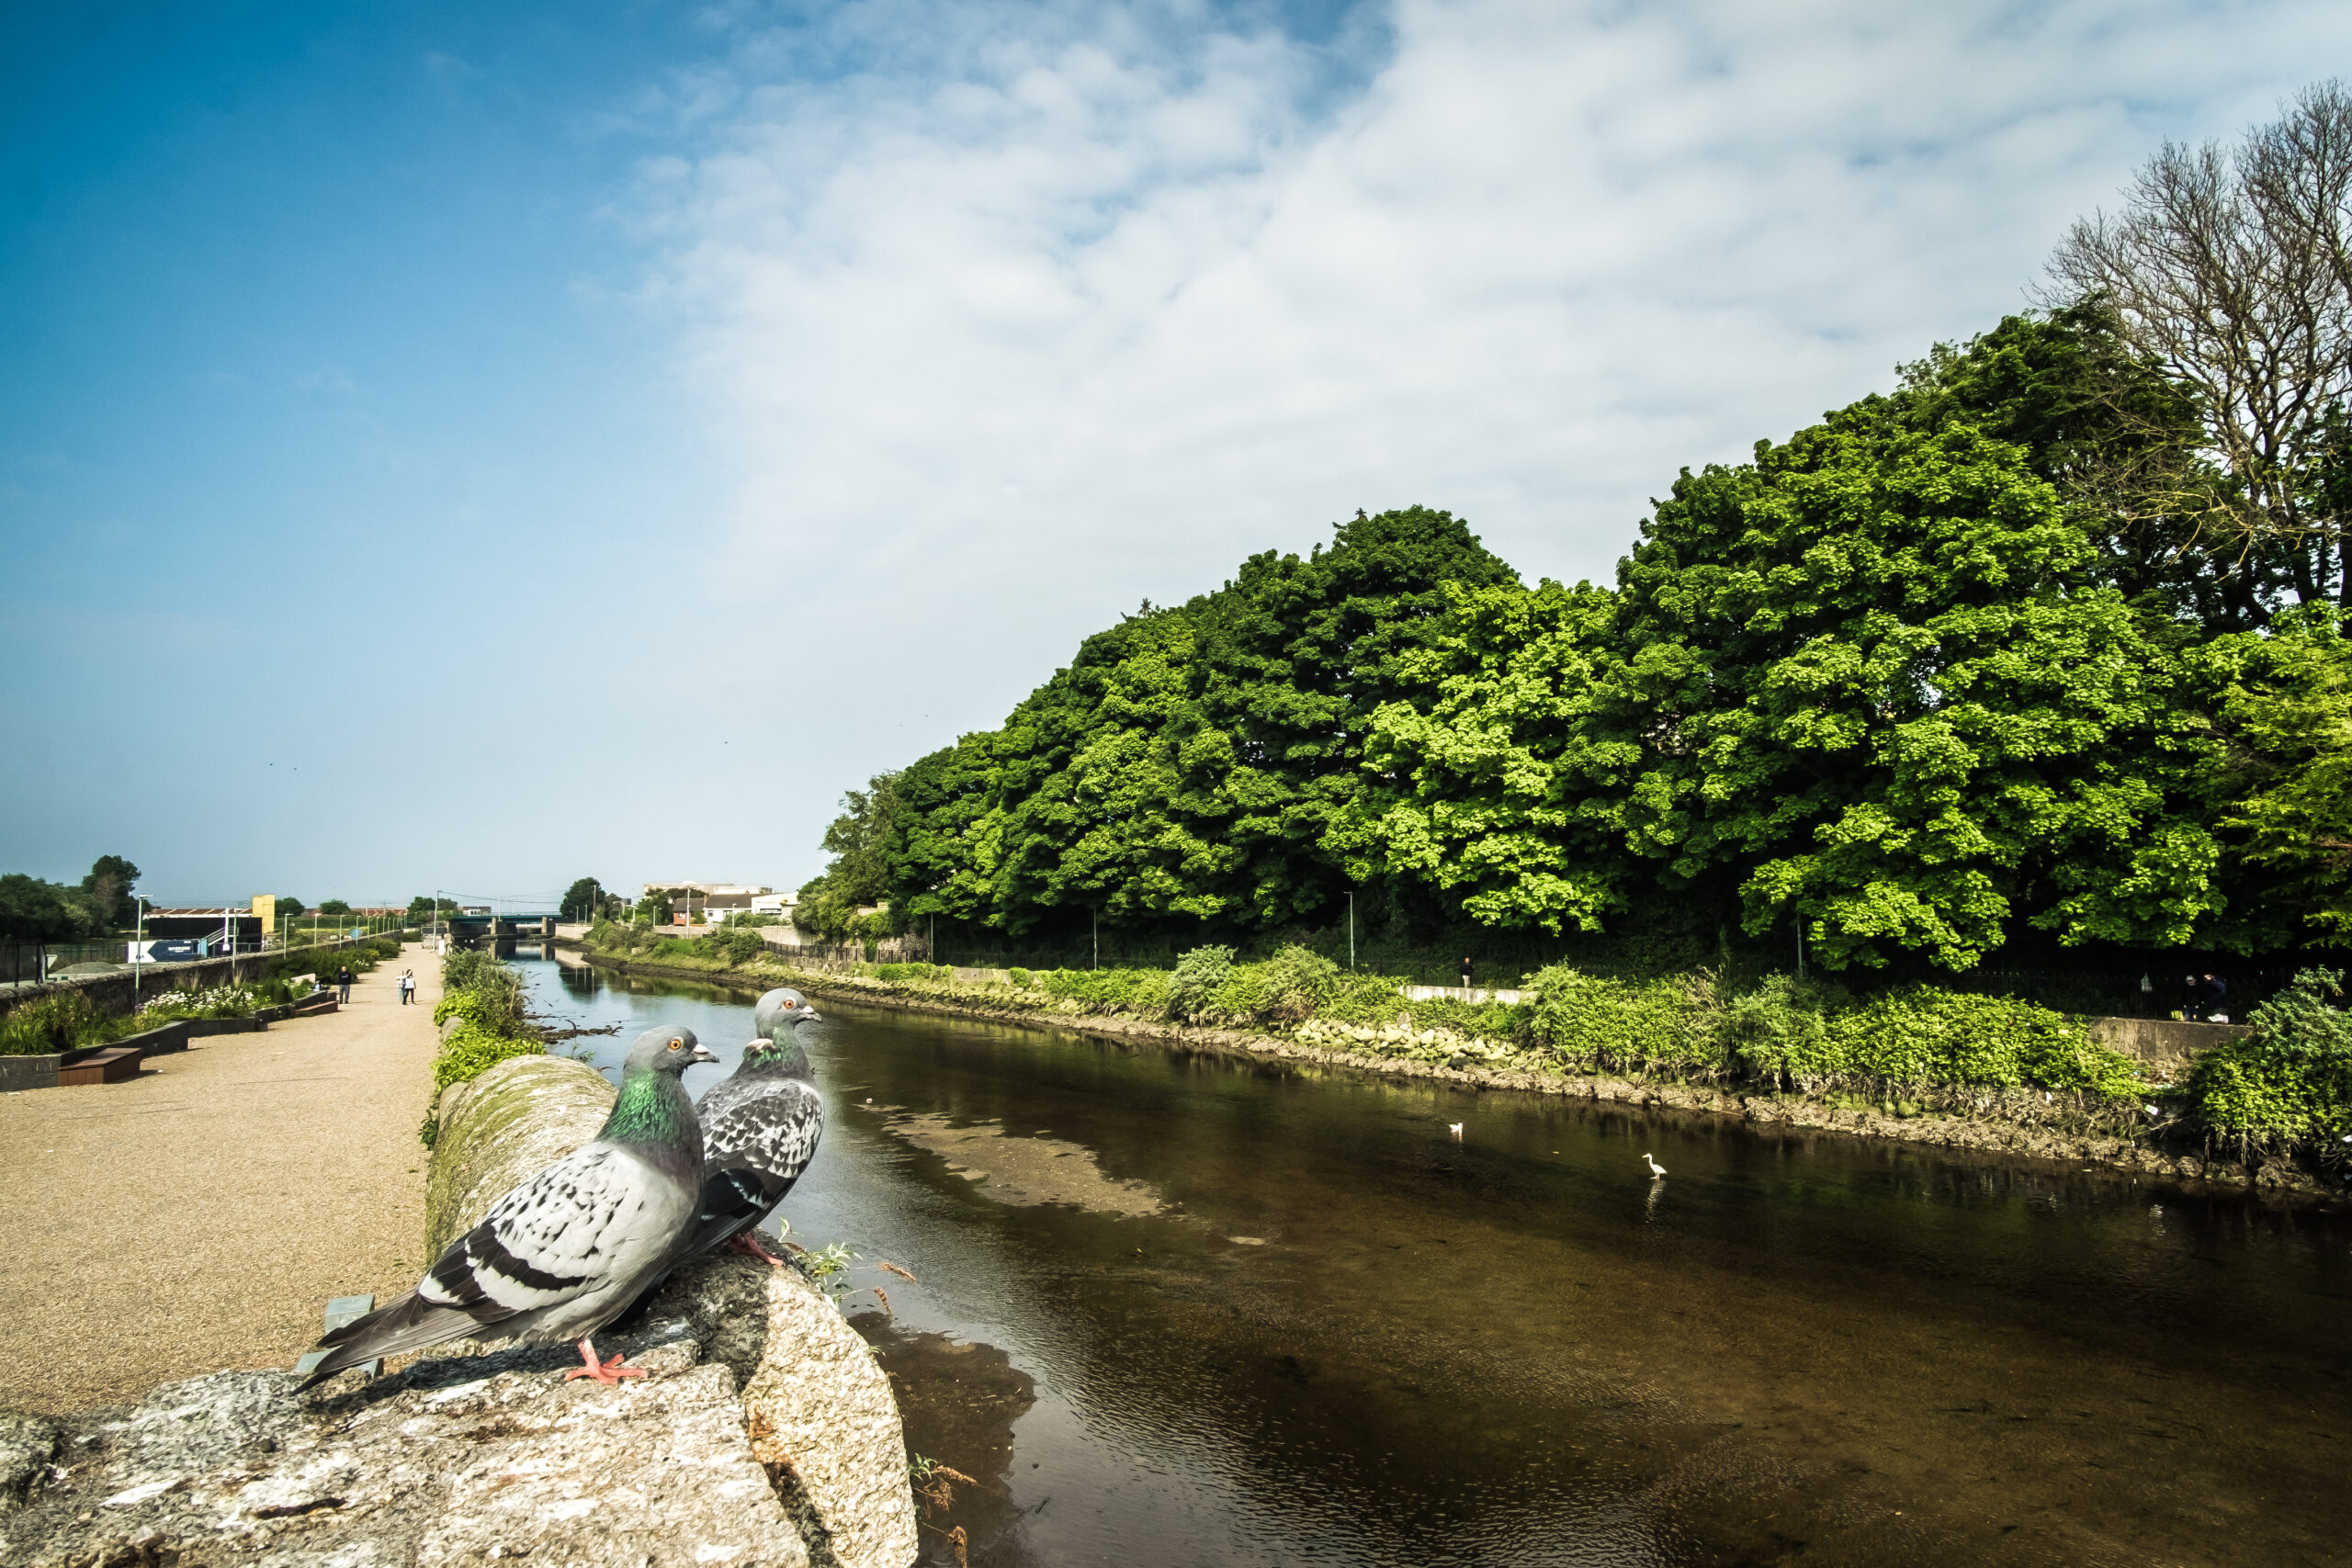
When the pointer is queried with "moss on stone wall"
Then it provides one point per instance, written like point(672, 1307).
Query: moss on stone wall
point(502, 1128)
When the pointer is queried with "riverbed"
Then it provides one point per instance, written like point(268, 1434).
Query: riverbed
point(1178, 1308)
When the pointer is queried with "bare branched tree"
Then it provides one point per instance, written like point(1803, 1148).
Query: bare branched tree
point(2231, 272)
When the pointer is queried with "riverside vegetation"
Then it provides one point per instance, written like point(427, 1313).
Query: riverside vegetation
point(1909, 1051)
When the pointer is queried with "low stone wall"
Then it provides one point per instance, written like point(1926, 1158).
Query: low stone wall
point(2168, 1046)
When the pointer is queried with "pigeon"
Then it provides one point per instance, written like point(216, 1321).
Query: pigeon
point(760, 1130)
point(561, 1256)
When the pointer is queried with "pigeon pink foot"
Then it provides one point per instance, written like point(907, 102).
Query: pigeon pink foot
point(748, 1244)
point(605, 1372)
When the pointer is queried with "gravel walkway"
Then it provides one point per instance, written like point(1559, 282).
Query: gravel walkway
point(201, 1217)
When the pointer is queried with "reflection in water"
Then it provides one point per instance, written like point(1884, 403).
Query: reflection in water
point(1352, 1338)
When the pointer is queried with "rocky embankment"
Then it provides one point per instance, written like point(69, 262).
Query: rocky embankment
point(2018, 1124)
point(764, 1434)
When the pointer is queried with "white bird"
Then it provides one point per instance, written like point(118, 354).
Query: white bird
point(1454, 1128)
point(1657, 1170)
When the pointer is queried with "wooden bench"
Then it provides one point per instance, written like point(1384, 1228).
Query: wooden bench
point(100, 1066)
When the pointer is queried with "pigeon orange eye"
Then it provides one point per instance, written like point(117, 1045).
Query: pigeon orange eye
point(674, 1045)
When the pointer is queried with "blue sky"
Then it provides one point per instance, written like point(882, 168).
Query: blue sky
point(442, 449)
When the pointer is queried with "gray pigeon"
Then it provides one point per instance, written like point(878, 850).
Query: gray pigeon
point(561, 1255)
point(760, 1130)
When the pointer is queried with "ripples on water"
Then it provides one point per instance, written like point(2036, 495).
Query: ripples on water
point(1518, 1349)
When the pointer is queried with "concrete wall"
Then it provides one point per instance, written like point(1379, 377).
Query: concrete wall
point(2166, 1045)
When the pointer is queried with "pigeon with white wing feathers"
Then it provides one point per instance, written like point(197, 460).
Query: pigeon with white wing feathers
point(760, 1130)
point(563, 1254)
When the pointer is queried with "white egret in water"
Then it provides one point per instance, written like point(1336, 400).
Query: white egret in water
point(1657, 1170)
point(1454, 1128)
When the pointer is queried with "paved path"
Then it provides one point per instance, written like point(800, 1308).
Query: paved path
point(201, 1217)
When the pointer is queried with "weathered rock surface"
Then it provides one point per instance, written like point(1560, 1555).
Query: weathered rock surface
point(819, 1409)
point(458, 1460)
point(765, 1434)
point(507, 1125)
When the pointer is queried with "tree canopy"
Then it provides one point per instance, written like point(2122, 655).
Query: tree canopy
point(35, 910)
point(2046, 642)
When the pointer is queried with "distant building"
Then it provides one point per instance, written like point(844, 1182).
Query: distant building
point(693, 901)
point(214, 930)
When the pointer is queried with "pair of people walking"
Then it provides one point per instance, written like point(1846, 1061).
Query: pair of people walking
point(408, 987)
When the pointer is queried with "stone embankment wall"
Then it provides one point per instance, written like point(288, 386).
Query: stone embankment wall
point(2168, 1046)
point(766, 1434)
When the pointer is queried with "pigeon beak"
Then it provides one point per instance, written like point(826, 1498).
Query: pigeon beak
point(699, 1054)
point(816, 1017)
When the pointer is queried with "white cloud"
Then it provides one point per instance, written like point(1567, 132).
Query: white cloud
point(1012, 316)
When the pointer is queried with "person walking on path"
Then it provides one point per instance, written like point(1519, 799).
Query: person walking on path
point(1465, 970)
point(408, 987)
point(342, 987)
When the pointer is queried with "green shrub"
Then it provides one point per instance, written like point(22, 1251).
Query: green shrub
point(1020, 978)
point(1286, 989)
point(463, 966)
point(1140, 992)
point(733, 944)
point(1922, 1034)
point(2291, 1081)
point(1590, 1022)
point(1362, 998)
point(491, 996)
point(470, 1051)
point(1198, 975)
point(58, 1021)
point(1780, 1032)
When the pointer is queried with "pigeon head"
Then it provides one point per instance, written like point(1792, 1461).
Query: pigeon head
point(774, 1014)
point(670, 1049)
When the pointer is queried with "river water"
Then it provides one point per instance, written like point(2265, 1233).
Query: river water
point(1174, 1308)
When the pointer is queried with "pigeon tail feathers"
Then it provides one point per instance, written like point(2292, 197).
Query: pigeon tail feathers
point(409, 1323)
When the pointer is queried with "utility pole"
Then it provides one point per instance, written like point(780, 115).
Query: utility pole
point(1351, 929)
point(140, 947)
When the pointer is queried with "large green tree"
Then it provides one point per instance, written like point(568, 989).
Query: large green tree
point(580, 900)
point(1883, 680)
point(1190, 764)
point(2288, 715)
point(34, 910)
point(107, 891)
point(1895, 700)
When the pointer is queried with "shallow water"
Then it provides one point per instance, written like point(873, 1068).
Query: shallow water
point(1230, 1312)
